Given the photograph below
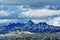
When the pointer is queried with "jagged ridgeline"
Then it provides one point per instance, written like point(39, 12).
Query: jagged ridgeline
point(29, 26)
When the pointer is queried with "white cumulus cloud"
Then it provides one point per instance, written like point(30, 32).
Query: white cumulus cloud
point(8, 20)
point(55, 21)
point(5, 13)
point(40, 13)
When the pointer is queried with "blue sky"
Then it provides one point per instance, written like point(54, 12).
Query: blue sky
point(35, 10)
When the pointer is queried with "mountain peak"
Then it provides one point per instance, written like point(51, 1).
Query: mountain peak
point(30, 21)
point(44, 23)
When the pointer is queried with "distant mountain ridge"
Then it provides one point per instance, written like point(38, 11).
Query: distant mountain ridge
point(29, 26)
